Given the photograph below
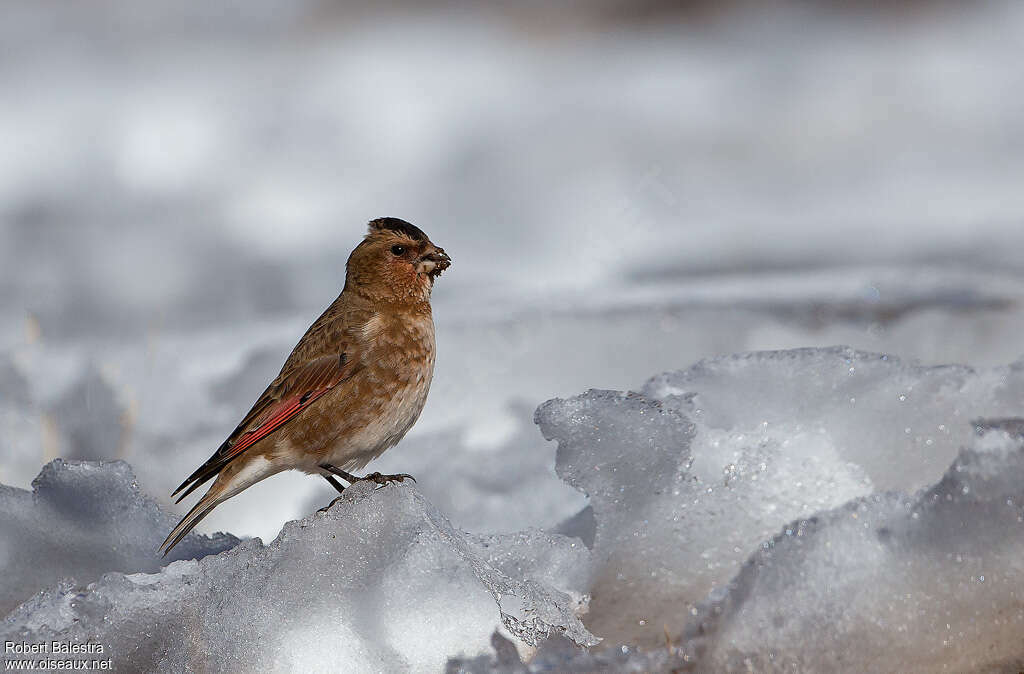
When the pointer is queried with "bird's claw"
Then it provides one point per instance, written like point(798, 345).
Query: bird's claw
point(377, 478)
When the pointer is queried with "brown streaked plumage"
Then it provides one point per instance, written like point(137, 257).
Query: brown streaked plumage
point(353, 385)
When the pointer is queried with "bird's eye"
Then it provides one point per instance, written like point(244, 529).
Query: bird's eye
point(398, 250)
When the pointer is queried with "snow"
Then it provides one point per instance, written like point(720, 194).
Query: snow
point(686, 480)
point(678, 506)
point(901, 518)
point(901, 423)
point(688, 559)
point(379, 581)
point(84, 519)
point(924, 583)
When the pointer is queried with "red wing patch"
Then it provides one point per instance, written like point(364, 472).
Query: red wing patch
point(277, 416)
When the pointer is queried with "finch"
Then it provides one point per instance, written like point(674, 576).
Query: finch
point(352, 387)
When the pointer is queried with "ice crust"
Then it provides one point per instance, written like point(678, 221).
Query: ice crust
point(379, 582)
point(924, 583)
point(84, 519)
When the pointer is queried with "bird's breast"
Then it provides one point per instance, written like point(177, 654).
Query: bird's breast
point(386, 396)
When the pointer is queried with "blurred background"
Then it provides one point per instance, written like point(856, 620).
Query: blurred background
point(625, 188)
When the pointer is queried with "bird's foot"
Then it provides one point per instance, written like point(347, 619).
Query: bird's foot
point(387, 479)
point(352, 479)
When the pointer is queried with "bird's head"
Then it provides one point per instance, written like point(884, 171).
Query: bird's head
point(395, 262)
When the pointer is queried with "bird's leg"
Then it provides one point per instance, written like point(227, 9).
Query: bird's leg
point(372, 477)
point(337, 485)
point(334, 483)
point(348, 477)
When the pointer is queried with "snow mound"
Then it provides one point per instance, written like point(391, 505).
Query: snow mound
point(380, 581)
point(688, 478)
point(678, 506)
point(889, 582)
point(84, 519)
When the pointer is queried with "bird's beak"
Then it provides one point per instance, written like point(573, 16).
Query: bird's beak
point(433, 263)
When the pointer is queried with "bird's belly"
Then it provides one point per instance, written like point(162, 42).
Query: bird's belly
point(399, 412)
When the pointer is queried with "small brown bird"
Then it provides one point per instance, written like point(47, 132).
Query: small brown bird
point(352, 387)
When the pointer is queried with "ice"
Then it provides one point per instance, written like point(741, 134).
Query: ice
point(890, 582)
point(548, 558)
point(678, 506)
point(84, 519)
point(685, 481)
point(901, 423)
point(687, 478)
point(380, 581)
point(689, 561)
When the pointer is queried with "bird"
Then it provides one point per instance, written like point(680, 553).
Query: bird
point(352, 387)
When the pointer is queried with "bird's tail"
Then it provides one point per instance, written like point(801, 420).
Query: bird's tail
point(229, 482)
point(200, 510)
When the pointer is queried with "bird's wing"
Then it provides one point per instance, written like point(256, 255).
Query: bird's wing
point(289, 394)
